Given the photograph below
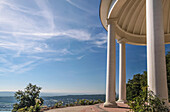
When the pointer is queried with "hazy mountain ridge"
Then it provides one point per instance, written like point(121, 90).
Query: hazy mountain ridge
point(6, 93)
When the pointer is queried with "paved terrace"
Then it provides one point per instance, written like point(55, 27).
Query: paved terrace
point(93, 108)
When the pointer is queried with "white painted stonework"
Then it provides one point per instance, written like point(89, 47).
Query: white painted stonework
point(137, 22)
point(122, 72)
point(156, 67)
point(111, 68)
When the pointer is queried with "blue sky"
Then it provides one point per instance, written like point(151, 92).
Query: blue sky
point(59, 45)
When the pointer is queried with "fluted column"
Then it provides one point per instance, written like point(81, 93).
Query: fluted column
point(122, 71)
point(111, 67)
point(156, 68)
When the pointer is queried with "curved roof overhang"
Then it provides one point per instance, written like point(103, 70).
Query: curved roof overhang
point(130, 19)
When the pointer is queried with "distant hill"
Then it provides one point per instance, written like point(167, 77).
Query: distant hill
point(7, 93)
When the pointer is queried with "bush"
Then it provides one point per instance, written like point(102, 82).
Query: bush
point(82, 102)
point(58, 104)
point(28, 99)
point(37, 107)
point(67, 105)
point(152, 104)
point(100, 101)
point(77, 102)
point(71, 104)
point(135, 86)
point(96, 102)
point(91, 102)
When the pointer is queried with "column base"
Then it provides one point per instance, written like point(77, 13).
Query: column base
point(121, 101)
point(112, 104)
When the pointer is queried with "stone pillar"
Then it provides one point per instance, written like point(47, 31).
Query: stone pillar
point(122, 72)
point(156, 68)
point(111, 67)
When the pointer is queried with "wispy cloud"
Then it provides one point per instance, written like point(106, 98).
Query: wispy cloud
point(46, 12)
point(30, 32)
point(80, 57)
point(77, 6)
point(100, 40)
point(9, 67)
point(74, 34)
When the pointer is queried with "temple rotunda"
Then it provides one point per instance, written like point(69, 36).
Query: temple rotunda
point(137, 22)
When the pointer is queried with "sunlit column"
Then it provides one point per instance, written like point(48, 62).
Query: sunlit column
point(111, 67)
point(157, 80)
point(122, 71)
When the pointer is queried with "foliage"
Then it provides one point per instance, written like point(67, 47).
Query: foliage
point(137, 92)
point(36, 107)
point(87, 102)
point(151, 104)
point(71, 104)
point(100, 101)
point(78, 102)
point(67, 105)
point(28, 100)
point(91, 102)
point(82, 102)
point(58, 104)
point(137, 104)
point(136, 86)
point(168, 72)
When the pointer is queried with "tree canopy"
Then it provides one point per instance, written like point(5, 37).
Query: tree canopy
point(138, 83)
point(135, 86)
point(28, 98)
point(168, 72)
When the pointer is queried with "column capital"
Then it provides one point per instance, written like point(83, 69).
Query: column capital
point(111, 21)
point(122, 40)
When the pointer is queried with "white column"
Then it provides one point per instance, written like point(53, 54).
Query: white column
point(157, 79)
point(111, 68)
point(122, 72)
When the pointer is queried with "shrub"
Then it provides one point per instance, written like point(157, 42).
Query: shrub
point(100, 101)
point(37, 107)
point(96, 102)
point(77, 102)
point(67, 105)
point(152, 104)
point(91, 102)
point(71, 104)
point(135, 86)
point(31, 109)
point(58, 104)
point(87, 102)
point(27, 98)
point(82, 102)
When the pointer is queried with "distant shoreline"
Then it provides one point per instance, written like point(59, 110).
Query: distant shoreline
point(6, 102)
point(42, 94)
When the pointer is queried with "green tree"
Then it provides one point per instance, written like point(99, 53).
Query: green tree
point(27, 98)
point(139, 82)
point(151, 104)
point(168, 72)
point(136, 86)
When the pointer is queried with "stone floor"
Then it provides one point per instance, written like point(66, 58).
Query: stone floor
point(93, 108)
